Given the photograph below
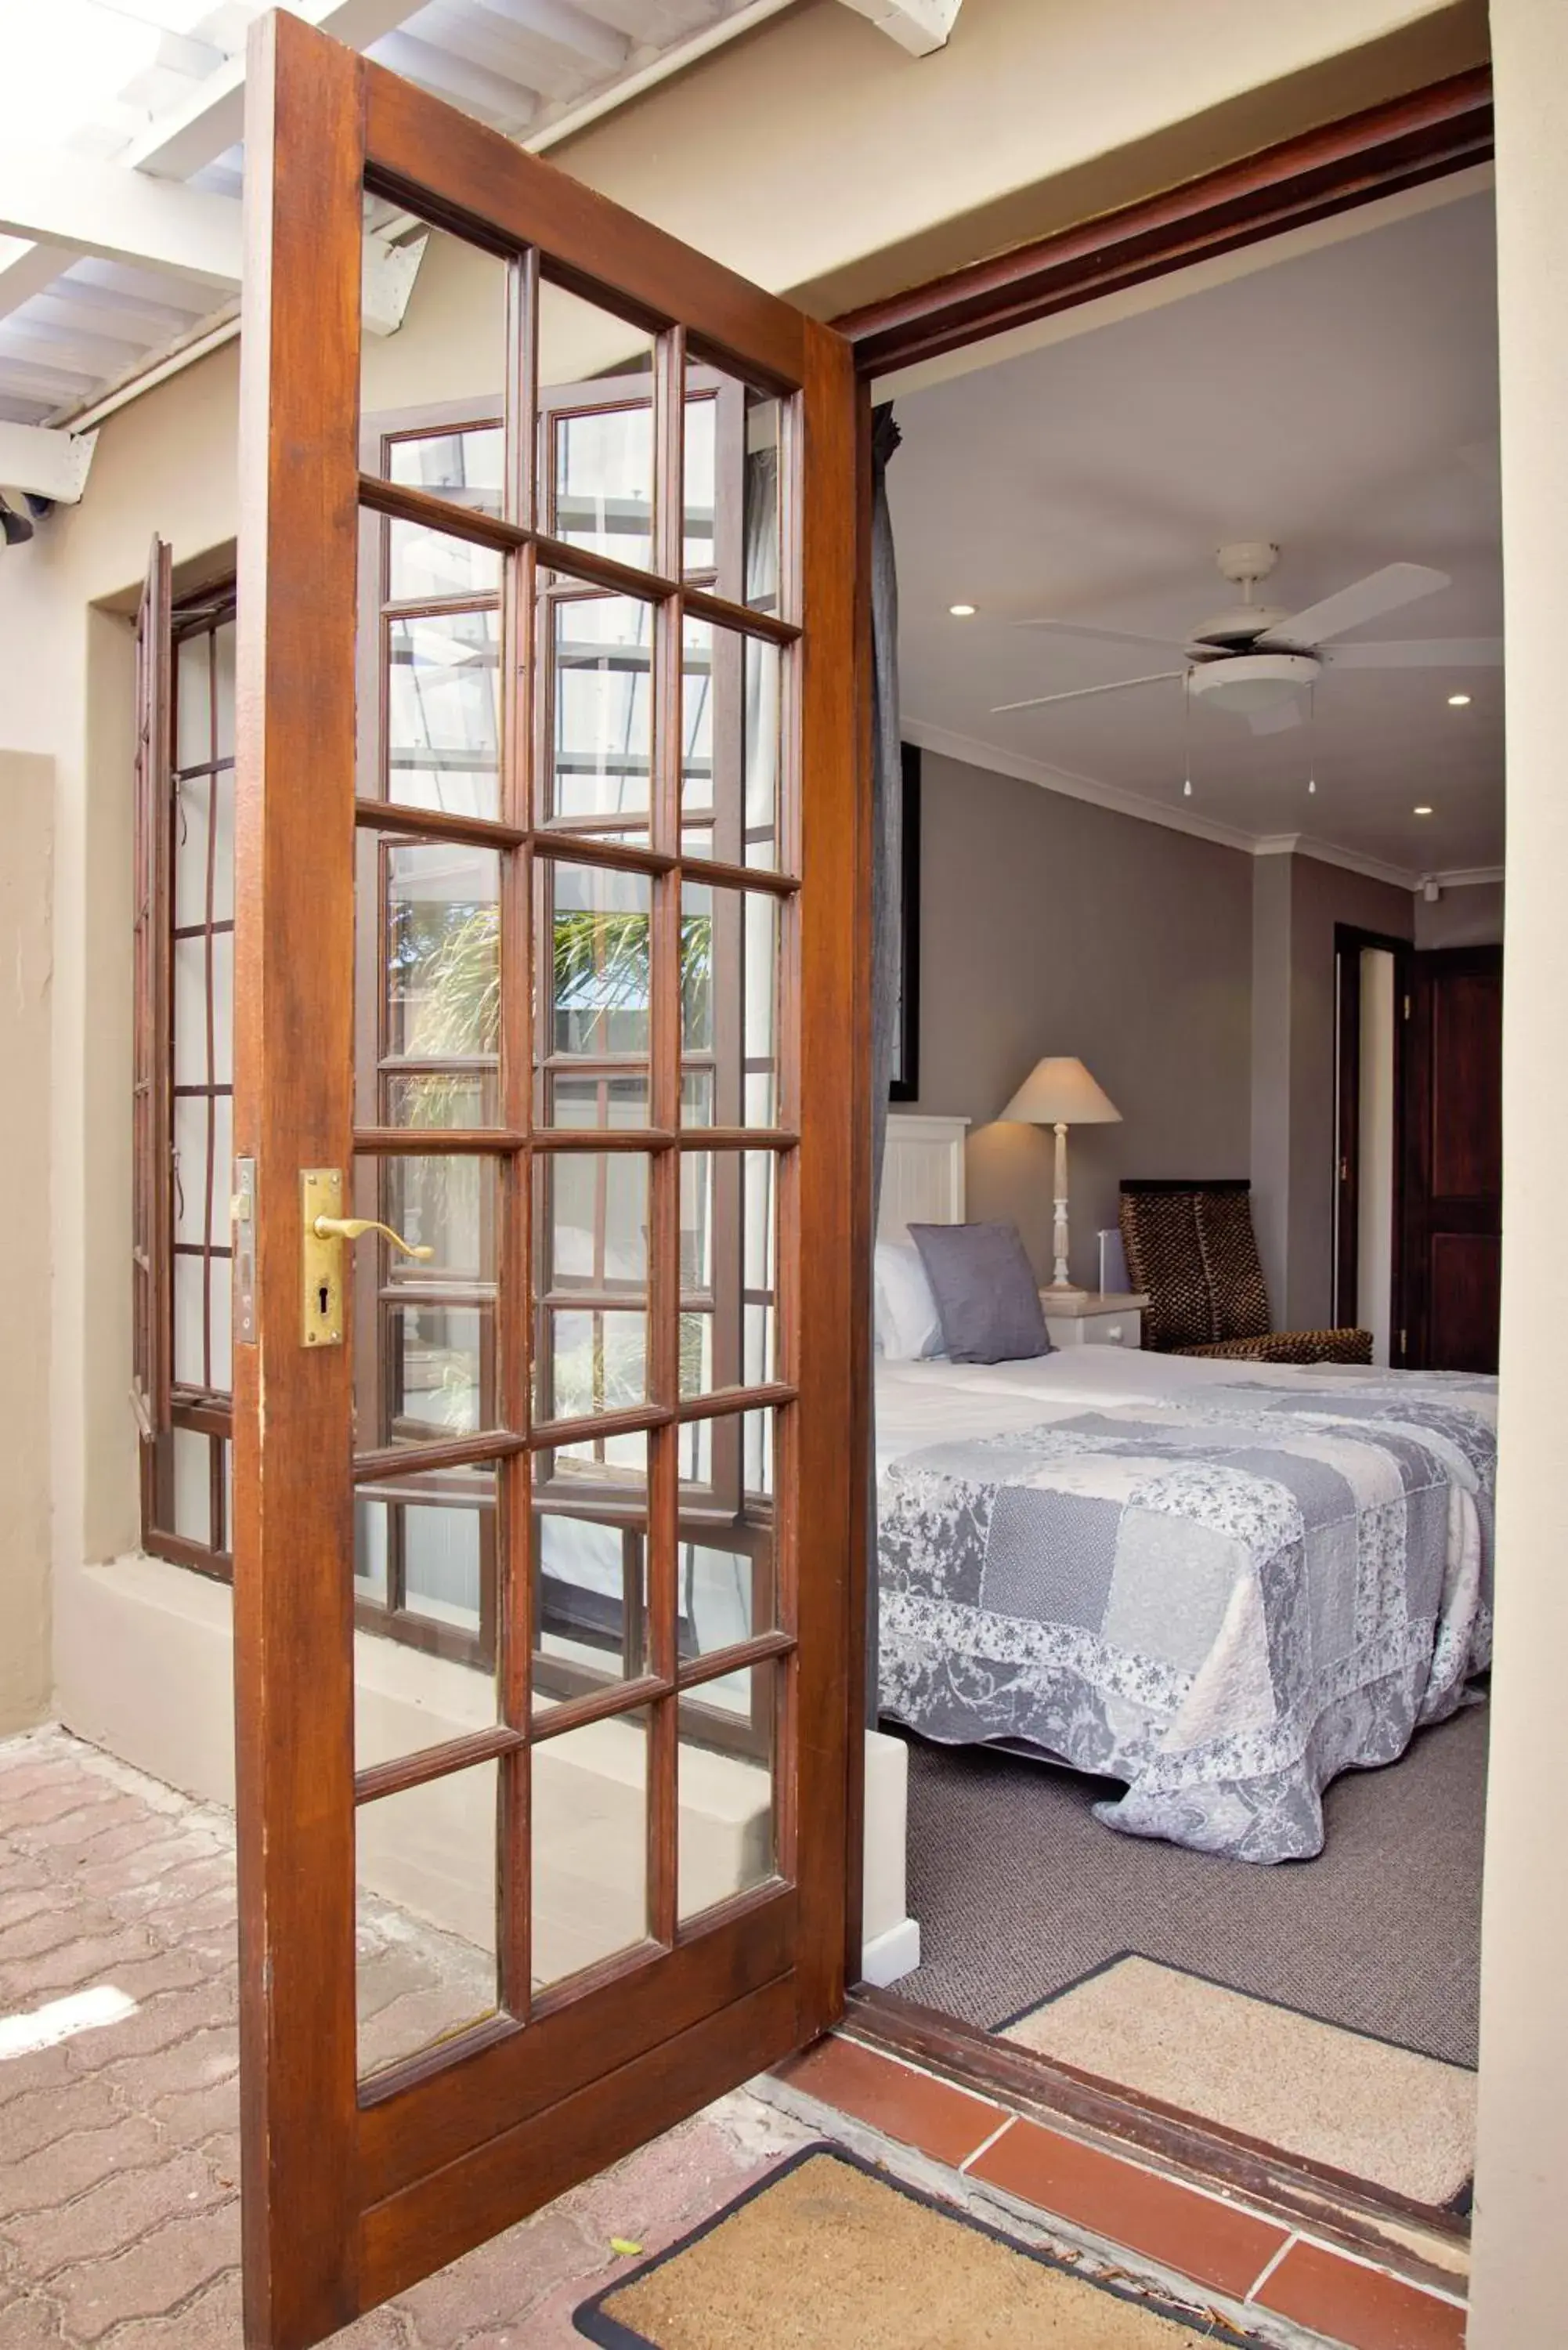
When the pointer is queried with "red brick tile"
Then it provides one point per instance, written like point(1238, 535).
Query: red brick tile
point(1211, 2242)
point(946, 2123)
point(1359, 2306)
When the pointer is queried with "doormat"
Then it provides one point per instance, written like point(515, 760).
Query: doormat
point(842, 2257)
point(1331, 2095)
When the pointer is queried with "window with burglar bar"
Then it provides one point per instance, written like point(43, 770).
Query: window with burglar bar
point(430, 1019)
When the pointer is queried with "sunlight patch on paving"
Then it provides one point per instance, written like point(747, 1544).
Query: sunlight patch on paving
point(62, 2018)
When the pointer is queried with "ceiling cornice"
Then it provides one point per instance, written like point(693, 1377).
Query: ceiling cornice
point(1328, 852)
point(971, 752)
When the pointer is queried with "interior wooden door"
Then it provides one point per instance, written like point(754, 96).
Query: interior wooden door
point(579, 1031)
point(1450, 1217)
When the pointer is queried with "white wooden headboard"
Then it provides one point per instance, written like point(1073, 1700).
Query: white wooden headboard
point(922, 1174)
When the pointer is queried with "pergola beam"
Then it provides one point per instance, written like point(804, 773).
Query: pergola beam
point(72, 204)
point(920, 27)
point(212, 120)
point(26, 268)
point(102, 208)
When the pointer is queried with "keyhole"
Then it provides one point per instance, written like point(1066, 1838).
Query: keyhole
point(321, 1301)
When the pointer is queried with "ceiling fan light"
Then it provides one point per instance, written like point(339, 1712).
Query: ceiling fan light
point(1249, 682)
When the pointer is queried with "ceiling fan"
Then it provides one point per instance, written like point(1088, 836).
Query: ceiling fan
point(1258, 659)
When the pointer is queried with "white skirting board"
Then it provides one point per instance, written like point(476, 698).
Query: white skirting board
point(892, 1954)
point(890, 1939)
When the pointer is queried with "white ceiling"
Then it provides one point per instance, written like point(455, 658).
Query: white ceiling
point(1342, 402)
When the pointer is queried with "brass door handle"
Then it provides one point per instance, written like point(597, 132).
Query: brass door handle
point(353, 1228)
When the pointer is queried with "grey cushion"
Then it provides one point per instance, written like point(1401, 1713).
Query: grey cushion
point(987, 1297)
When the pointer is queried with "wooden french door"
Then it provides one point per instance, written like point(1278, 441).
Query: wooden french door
point(1451, 1216)
point(576, 1025)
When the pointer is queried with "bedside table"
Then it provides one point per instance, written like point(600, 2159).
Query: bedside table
point(1097, 1320)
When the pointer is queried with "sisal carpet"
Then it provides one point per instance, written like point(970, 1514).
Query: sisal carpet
point(1336, 2097)
point(841, 2257)
point(1020, 1891)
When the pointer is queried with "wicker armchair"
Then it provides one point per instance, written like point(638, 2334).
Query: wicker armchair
point(1191, 1249)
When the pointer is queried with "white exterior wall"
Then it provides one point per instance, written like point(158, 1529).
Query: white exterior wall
point(1521, 2190)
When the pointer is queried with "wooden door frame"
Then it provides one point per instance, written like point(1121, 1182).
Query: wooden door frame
point(1426, 134)
point(1349, 943)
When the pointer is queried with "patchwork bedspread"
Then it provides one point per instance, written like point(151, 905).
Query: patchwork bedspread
point(1224, 1601)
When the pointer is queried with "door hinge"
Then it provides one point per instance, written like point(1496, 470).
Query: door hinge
point(1403, 1342)
point(1407, 1007)
point(1344, 1171)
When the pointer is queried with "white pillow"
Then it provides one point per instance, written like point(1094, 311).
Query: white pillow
point(908, 1324)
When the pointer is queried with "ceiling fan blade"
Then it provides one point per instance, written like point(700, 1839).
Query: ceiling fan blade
point(1275, 721)
point(1420, 652)
point(1364, 599)
point(1103, 636)
point(1082, 692)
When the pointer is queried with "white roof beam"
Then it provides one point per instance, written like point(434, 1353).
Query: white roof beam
point(121, 215)
point(50, 463)
point(102, 208)
point(93, 356)
point(584, 40)
point(920, 27)
point(444, 71)
point(26, 268)
point(213, 117)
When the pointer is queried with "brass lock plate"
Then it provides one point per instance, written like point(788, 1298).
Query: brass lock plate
point(321, 1261)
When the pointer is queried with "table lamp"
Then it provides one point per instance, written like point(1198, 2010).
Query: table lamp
point(1061, 1093)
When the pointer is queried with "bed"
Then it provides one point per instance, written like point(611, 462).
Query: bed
point(1219, 1583)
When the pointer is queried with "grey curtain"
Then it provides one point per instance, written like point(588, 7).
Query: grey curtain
point(887, 868)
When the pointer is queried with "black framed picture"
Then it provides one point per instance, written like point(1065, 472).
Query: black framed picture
point(906, 1083)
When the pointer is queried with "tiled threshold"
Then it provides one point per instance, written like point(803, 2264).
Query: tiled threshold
point(1256, 2267)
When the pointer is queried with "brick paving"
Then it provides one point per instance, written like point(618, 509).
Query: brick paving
point(118, 2147)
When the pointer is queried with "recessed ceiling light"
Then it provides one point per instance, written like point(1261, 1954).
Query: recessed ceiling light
point(961, 612)
point(1421, 811)
point(1459, 701)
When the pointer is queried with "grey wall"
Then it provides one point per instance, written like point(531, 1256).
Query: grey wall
point(1472, 917)
point(1050, 925)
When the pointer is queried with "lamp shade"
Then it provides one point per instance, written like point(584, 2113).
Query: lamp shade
point(1061, 1092)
